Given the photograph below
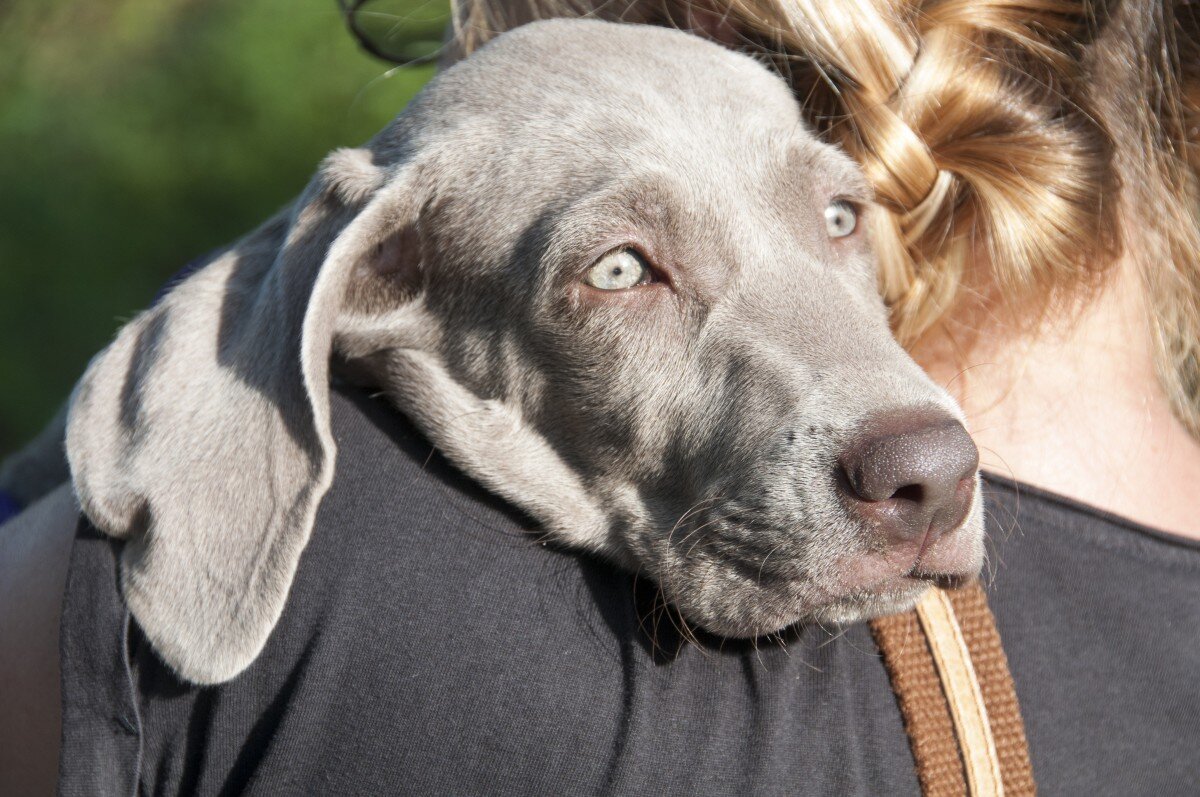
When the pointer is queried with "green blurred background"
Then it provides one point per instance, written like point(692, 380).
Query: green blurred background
point(138, 134)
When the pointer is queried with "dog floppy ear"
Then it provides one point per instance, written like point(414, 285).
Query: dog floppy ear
point(201, 434)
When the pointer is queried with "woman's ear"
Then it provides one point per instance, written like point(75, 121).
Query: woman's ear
point(201, 434)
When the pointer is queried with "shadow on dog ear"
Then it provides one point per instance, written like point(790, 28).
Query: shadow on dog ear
point(201, 435)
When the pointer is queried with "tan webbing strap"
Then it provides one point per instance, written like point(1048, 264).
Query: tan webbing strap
point(999, 694)
point(951, 681)
point(953, 662)
point(922, 703)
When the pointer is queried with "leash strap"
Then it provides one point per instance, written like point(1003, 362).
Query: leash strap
point(960, 709)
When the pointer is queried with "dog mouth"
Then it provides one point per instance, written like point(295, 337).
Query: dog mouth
point(893, 595)
point(735, 595)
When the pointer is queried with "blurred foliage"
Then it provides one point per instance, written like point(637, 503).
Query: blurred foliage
point(138, 134)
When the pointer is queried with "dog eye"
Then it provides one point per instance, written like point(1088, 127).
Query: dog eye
point(841, 218)
point(619, 270)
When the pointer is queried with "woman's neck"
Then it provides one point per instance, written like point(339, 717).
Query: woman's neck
point(1077, 410)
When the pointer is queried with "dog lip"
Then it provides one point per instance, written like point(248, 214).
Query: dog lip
point(943, 580)
point(919, 573)
point(927, 540)
point(926, 543)
point(948, 574)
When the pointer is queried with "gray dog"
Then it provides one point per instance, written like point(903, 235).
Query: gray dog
point(609, 272)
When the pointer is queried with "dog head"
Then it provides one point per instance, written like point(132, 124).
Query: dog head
point(610, 273)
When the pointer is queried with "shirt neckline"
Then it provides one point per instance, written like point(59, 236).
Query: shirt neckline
point(1025, 490)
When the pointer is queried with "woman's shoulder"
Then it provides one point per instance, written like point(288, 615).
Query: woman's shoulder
point(34, 550)
point(1099, 617)
point(428, 624)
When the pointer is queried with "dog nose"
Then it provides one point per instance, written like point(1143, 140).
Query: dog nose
point(910, 474)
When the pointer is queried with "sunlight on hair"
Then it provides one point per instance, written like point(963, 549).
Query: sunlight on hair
point(993, 149)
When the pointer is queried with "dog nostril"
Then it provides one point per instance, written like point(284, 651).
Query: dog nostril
point(909, 492)
point(910, 474)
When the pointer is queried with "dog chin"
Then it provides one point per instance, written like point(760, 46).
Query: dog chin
point(856, 588)
point(890, 599)
point(959, 561)
point(897, 595)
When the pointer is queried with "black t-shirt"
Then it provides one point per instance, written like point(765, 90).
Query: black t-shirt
point(431, 645)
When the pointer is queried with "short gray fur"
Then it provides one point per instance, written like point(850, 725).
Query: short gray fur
point(687, 433)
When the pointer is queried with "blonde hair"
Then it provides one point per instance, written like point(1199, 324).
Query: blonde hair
point(1016, 147)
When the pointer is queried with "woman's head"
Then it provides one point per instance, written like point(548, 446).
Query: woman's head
point(1017, 150)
